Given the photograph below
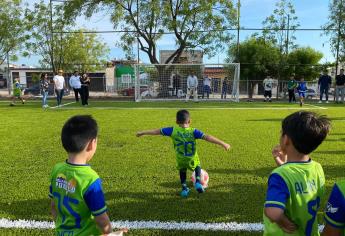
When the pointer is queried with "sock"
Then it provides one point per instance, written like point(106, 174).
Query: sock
point(197, 174)
point(183, 177)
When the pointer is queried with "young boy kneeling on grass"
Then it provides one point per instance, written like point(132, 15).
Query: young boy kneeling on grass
point(297, 185)
point(184, 138)
point(78, 204)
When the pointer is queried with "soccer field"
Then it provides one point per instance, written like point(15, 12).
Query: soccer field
point(139, 175)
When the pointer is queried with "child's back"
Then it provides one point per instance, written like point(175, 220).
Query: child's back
point(304, 183)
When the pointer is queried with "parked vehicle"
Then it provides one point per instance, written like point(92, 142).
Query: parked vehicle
point(310, 94)
point(131, 91)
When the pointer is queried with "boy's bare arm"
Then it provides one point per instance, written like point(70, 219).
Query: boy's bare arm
point(103, 223)
point(53, 209)
point(277, 216)
point(212, 139)
point(149, 132)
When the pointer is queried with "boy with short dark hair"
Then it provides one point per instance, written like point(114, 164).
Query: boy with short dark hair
point(184, 138)
point(302, 89)
point(78, 204)
point(17, 92)
point(296, 186)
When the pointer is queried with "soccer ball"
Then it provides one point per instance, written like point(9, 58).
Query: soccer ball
point(203, 178)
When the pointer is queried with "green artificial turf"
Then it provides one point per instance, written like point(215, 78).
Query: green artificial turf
point(139, 174)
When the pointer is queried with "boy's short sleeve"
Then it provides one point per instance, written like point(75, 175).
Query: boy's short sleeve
point(198, 134)
point(94, 198)
point(335, 208)
point(277, 192)
point(167, 131)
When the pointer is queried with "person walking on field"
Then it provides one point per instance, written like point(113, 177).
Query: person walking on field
point(59, 86)
point(74, 82)
point(268, 86)
point(44, 85)
point(192, 87)
point(324, 83)
point(85, 83)
point(292, 85)
point(340, 86)
point(224, 88)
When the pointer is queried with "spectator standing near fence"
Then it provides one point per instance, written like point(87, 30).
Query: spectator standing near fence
point(59, 86)
point(192, 87)
point(340, 86)
point(292, 85)
point(44, 86)
point(325, 82)
point(74, 82)
point(207, 87)
point(85, 83)
point(224, 88)
point(268, 86)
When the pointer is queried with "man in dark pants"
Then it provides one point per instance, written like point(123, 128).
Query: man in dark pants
point(292, 84)
point(325, 82)
point(340, 86)
point(74, 82)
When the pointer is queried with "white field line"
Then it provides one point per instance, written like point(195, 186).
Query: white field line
point(66, 104)
point(198, 108)
point(173, 225)
point(319, 107)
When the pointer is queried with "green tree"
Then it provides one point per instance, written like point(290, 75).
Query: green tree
point(335, 28)
point(258, 58)
point(12, 30)
point(280, 26)
point(72, 51)
point(305, 62)
point(196, 24)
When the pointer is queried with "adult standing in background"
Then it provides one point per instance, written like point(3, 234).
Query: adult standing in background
point(85, 83)
point(292, 85)
point(268, 86)
point(207, 87)
point(44, 85)
point(224, 88)
point(324, 83)
point(340, 86)
point(192, 87)
point(74, 82)
point(59, 86)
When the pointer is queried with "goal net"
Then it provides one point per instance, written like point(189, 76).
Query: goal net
point(202, 82)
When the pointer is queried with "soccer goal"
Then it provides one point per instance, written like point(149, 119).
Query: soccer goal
point(202, 82)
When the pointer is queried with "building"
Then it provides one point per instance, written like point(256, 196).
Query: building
point(187, 57)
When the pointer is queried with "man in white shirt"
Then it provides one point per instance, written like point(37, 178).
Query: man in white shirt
point(207, 87)
point(268, 86)
point(59, 86)
point(192, 87)
point(74, 82)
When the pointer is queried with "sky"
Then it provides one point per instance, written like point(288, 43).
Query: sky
point(310, 13)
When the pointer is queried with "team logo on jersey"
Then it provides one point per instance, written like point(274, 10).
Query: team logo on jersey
point(63, 183)
point(330, 208)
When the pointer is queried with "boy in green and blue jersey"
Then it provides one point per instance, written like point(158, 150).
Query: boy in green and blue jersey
point(297, 185)
point(335, 211)
point(78, 204)
point(184, 139)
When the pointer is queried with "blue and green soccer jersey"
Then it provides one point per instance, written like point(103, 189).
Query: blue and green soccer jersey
point(297, 188)
point(335, 208)
point(78, 196)
point(17, 89)
point(184, 140)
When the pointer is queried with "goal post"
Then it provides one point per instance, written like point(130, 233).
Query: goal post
point(163, 82)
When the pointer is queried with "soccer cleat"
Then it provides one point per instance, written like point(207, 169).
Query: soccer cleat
point(320, 101)
point(185, 192)
point(23, 102)
point(199, 187)
point(327, 101)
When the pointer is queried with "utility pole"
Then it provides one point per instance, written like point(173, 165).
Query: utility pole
point(238, 31)
point(287, 35)
point(51, 35)
point(9, 80)
point(338, 39)
point(138, 48)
